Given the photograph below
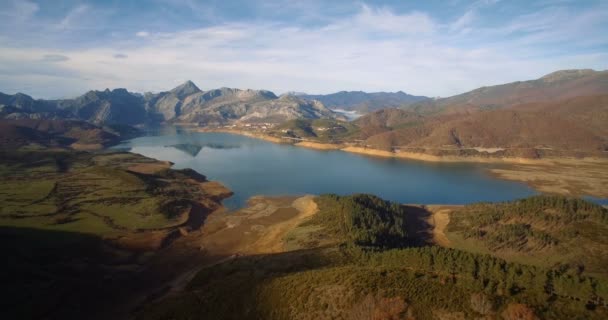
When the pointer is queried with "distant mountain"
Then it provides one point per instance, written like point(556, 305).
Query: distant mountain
point(100, 107)
point(555, 86)
point(185, 103)
point(365, 102)
point(564, 112)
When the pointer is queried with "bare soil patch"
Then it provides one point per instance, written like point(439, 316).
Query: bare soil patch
point(570, 177)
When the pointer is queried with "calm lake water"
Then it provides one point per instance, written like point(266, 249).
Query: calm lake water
point(255, 167)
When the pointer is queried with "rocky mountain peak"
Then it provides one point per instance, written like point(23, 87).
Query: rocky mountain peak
point(185, 89)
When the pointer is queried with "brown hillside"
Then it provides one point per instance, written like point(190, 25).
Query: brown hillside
point(60, 133)
point(571, 125)
point(559, 85)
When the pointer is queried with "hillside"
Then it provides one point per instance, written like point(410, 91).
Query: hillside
point(542, 230)
point(354, 259)
point(319, 129)
point(185, 103)
point(538, 129)
point(363, 101)
point(59, 133)
point(556, 86)
point(83, 232)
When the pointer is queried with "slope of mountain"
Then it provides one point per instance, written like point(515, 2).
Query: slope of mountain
point(360, 257)
point(185, 103)
point(22, 106)
point(541, 229)
point(116, 106)
point(58, 133)
point(555, 86)
point(93, 229)
point(571, 125)
point(364, 101)
point(224, 105)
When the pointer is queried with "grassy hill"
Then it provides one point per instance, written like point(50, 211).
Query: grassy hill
point(323, 130)
point(339, 272)
point(80, 230)
point(60, 133)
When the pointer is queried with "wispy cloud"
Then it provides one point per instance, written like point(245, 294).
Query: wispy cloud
point(142, 34)
point(367, 48)
point(73, 15)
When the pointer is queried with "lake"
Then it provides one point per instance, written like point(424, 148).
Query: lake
point(251, 167)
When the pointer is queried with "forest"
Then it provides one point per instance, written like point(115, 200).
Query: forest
point(370, 271)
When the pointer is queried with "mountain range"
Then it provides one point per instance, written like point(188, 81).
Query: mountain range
point(185, 103)
point(363, 101)
point(563, 111)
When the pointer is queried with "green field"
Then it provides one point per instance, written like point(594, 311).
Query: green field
point(321, 130)
point(88, 193)
point(78, 228)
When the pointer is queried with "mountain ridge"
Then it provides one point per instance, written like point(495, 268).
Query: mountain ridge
point(184, 103)
point(555, 86)
point(365, 101)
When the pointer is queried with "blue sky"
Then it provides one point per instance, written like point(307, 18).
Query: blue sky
point(52, 49)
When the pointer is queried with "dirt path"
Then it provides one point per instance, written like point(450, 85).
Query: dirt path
point(439, 220)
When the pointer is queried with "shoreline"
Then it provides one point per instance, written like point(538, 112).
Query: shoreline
point(405, 154)
point(568, 176)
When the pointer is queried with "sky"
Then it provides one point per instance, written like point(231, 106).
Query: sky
point(58, 49)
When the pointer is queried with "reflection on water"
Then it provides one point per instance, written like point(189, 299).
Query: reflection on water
point(194, 149)
point(251, 167)
point(191, 149)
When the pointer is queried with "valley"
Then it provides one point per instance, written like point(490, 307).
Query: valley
point(304, 160)
point(572, 176)
point(335, 265)
point(476, 212)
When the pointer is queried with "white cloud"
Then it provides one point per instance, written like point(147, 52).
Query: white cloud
point(383, 19)
point(373, 49)
point(463, 22)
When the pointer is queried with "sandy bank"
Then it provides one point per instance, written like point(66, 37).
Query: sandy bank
point(405, 154)
point(565, 176)
point(247, 134)
point(318, 146)
point(258, 228)
point(434, 158)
